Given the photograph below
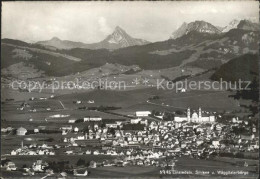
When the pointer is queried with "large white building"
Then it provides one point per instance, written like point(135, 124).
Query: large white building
point(142, 113)
point(94, 118)
point(195, 117)
point(21, 131)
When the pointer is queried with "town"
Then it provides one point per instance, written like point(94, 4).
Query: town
point(146, 138)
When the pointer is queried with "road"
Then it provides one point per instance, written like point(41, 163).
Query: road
point(62, 104)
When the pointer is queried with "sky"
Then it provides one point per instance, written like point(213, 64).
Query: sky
point(91, 22)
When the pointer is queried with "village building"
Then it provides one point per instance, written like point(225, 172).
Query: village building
point(94, 118)
point(142, 113)
point(21, 131)
point(80, 173)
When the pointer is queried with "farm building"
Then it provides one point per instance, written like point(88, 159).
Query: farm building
point(95, 118)
point(142, 113)
point(81, 172)
point(21, 131)
point(135, 121)
point(72, 120)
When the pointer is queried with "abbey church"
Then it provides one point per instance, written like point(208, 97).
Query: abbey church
point(195, 117)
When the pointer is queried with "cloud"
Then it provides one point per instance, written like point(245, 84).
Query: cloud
point(103, 26)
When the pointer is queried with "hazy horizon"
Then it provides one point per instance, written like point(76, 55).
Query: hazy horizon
point(91, 22)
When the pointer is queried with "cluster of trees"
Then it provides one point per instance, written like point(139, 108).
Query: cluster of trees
point(50, 139)
point(240, 130)
point(250, 94)
point(154, 98)
point(43, 132)
point(168, 116)
point(82, 162)
point(60, 166)
point(104, 108)
point(180, 78)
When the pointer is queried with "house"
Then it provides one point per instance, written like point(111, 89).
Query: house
point(215, 142)
point(95, 118)
point(10, 166)
point(236, 120)
point(91, 101)
point(142, 113)
point(69, 128)
point(88, 152)
point(111, 125)
point(78, 102)
point(72, 121)
point(8, 129)
point(135, 121)
point(80, 173)
point(62, 175)
point(181, 90)
point(76, 129)
point(199, 142)
point(39, 166)
point(93, 164)
point(96, 152)
point(13, 152)
point(81, 137)
point(21, 131)
point(144, 122)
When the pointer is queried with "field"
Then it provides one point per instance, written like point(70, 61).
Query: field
point(182, 164)
point(140, 96)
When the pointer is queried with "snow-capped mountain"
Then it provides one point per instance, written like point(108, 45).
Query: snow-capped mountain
point(118, 39)
point(245, 24)
point(198, 26)
point(232, 25)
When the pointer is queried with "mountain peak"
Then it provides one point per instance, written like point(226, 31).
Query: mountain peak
point(55, 39)
point(200, 21)
point(119, 38)
point(248, 25)
point(119, 30)
point(198, 26)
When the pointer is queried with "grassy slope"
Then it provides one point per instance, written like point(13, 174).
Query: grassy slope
point(136, 55)
point(244, 67)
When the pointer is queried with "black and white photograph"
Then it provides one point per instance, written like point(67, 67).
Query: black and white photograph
point(130, 89)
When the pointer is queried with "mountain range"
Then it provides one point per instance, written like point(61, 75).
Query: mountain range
point(205, 27)
point(201, 48)
point(241, 24)
point(118, 39)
